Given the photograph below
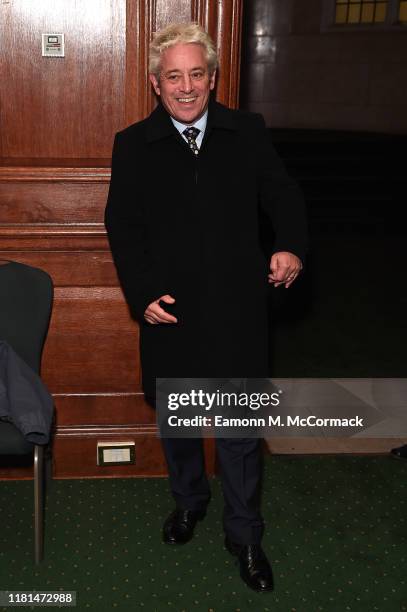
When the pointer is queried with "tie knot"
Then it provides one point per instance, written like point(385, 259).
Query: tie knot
point(191, 132)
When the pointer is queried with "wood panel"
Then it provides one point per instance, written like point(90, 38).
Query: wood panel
point(57, 121)
point(223, 20)
point(84, 351)
point(101, 84)
point(69, 268)
point(62, 107)
point(77, 460)
point(36, 237)
point(103, 409)
point(29, 203)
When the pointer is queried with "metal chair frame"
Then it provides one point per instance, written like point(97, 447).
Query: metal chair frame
point(38, 503)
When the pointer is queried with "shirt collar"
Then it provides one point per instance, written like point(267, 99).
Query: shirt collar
point(158, 124)
point(200, 124)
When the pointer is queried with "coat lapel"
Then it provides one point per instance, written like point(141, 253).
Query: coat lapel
point(160, 126)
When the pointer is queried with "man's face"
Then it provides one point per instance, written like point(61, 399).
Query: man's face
point(184, 82)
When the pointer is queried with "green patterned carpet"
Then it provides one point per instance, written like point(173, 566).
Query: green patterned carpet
point(335, 534)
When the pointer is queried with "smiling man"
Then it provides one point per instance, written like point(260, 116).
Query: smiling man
point(183, 223)
point(184, 82)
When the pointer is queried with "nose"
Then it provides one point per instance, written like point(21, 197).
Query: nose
point(186, 84)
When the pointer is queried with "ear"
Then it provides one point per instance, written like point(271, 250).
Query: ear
point(212, 80)
point(154, 82)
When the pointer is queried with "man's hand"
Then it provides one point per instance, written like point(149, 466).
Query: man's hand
point(285, 267)
point(154, 314)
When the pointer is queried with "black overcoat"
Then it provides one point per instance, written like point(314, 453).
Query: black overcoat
point(188, 226)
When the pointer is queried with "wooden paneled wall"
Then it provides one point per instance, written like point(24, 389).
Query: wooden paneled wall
point(58, 117)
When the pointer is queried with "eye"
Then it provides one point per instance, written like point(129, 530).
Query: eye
point(198, 74)
point(173, 78)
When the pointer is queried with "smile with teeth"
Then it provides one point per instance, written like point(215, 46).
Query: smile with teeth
point(187, 100)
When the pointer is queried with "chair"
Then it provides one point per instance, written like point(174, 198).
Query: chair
point(26, 295)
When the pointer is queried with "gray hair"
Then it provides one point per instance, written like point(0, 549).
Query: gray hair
point(181, 33)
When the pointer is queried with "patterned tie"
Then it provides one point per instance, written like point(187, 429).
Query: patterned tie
point(191, 134)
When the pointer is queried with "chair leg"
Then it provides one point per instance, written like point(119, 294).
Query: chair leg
point(39, 503)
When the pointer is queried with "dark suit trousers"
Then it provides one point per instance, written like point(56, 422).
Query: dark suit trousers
point(240, 461)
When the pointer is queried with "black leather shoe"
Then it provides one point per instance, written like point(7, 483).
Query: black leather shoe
point(179, 526)
point(255, 569)
point(400, 452)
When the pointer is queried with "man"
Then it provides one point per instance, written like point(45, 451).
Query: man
point(183, 224)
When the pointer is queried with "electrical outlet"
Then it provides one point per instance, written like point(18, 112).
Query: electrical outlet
point(116, 453)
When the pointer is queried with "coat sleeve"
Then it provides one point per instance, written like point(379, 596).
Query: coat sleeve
point(280, 198)
point(127, 231)
point(26, 401)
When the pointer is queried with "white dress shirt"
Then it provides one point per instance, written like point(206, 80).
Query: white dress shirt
point(200, 125)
